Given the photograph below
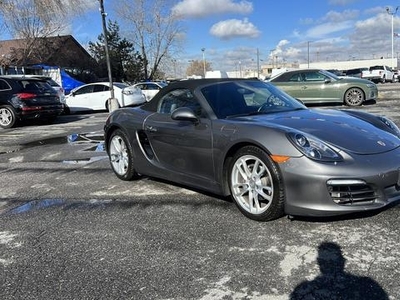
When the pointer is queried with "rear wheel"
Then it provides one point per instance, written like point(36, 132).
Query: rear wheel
point(354, 97)
point(256, 184)
point(121, 156)
point(7, 117)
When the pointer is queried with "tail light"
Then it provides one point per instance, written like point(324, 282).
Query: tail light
point(26, 96)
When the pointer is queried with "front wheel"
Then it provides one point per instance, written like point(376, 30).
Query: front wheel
point(256, 184)
point(354, 97)
point(7, 117)
point(121, 156)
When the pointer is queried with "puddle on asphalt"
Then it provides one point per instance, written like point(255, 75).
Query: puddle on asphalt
point(35, 205)
point(42, 204)
point(84, 161)
point(94, 140)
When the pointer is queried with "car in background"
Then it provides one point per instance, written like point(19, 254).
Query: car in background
point(150, 89)
point(94, 96)
point(23, 98)
point(337, 72)
point(50, 81)
point(319, 86)
point(379, 74)
point(356, 72)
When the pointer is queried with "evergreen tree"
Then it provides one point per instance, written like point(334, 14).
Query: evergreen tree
point(126, 63)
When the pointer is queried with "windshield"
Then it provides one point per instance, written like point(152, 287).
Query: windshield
point(238, 98)
point(329, 74)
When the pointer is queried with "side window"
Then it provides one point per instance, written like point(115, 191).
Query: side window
point(295, 77)
point(100, 88)
point(4, 85)
point(179, 98)
point(153, 87)
point(314, 76)
point(85, 90)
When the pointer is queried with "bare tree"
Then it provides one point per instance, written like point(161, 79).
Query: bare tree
point(196, 67)
point(155, 31)
point(32, 20)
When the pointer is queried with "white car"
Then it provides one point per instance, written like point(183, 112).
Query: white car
point(150, 89)
point(94, 96)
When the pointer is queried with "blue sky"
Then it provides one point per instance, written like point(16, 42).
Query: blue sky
point(232, 31)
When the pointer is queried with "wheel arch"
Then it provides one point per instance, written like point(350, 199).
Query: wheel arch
point(109, 131)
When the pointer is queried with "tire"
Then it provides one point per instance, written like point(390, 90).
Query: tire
point(8, 117)
point(256, 185)
point(121, 156)
point(383, 79)
point(354, 97)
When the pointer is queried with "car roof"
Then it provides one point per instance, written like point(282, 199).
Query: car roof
point(23, 77)
point(194, 83)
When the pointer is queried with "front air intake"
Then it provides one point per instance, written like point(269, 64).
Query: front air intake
point(351, 192)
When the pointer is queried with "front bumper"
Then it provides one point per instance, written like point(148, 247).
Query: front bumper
point(360, 183)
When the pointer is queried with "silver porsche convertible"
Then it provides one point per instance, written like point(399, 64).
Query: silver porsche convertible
point(249, 140)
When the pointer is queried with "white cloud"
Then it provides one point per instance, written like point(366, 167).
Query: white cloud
point(204, 8)
point(234, 28)
point(325, 29)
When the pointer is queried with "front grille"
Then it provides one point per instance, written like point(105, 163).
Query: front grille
point(351, 193)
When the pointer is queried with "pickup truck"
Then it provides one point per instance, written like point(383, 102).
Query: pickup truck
point(379, 74)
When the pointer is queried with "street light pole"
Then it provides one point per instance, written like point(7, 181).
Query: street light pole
point(308, 53)
point(258, 64)
point(204, 61)
point(112, 102)
point(392, 13)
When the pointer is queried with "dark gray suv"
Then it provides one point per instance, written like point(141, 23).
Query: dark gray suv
point(23, 98)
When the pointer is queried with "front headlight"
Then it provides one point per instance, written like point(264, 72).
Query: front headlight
point(313, 147)
point(391, 126)
point(371, 85)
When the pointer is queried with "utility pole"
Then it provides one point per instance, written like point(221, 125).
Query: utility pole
point(204, 61)
point(112, 102)
point(258, 64)
point(392, 13)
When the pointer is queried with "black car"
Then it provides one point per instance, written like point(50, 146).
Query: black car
point(23, 98)
point(357, 72)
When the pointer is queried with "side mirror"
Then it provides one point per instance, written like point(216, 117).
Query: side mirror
point(184, 114)
point(328, 80)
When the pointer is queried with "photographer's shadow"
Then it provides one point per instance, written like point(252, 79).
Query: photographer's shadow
point(334, 282)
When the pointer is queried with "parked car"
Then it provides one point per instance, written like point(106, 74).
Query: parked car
point(150, 89)
point(23, 98)
point(356, 72)
point(94, 96)
point(337, 72)
point(247, 139)
point(379, 73)
point(49, 80)
point(319, 86)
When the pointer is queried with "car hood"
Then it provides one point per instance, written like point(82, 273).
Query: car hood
point(336, 127)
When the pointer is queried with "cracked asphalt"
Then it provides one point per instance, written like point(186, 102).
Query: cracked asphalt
point(69, 229)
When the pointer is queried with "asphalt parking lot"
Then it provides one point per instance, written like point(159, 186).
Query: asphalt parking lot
point(69, 229)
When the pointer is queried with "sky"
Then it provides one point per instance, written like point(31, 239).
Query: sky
point(243, 33)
